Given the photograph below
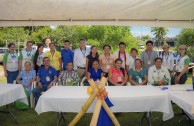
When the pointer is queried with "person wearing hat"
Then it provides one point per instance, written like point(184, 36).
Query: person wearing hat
point(182, 64)
point(167, 59)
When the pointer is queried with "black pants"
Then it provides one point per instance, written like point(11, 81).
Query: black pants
point(183, 78)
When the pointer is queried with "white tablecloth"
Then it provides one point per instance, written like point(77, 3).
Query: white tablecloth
point(184, 99)
point(124, 98)
point(10, 93)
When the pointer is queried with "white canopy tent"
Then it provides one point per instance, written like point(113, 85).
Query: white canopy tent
point(152, 13)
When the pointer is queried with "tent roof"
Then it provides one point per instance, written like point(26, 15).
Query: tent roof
point(153, 13)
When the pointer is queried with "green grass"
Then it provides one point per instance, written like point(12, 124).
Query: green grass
point(31, 118)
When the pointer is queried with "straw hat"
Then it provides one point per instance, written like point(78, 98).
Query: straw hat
point(166, 45)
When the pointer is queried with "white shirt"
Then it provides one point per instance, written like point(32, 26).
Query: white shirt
point(180, 62)
point(46, 49)
point(156, 75)
point(132, 62)
point(27, 56)
point(168, 60)
point(116, 55)
point(80, 57)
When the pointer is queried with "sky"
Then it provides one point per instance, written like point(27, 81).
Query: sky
point(138, 31)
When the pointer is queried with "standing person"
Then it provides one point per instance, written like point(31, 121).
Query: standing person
point(132, 58)
point(91, 57)
point(46, 41)
point(148, 55)
point(69, 77)
point(158, 75)
point(67, 54)
point(117, 76)
point(10, 64)
point(55, 58)
point(80, 58)
point(26, 77)
point(138, 75)
point(26, 54)
point(122, 55)
point(106, 60)
point(46, 78)
point(182, 64)
point(38, 57)
point(168, 59)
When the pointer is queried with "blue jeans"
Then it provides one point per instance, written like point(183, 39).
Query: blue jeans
point(11, 76)
point(37, 92)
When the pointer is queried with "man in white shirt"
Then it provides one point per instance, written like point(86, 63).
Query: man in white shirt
point(80, 58)
point(122, 55)
point(47, 41)
point(158, 75)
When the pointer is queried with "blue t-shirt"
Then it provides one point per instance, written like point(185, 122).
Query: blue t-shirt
point(44, 74)
point(135, 75)
point(26, 77)
point(67, 56)
point(95, 75)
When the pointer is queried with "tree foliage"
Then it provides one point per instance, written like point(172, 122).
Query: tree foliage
point(160, 34)
point(95, 35)
point(186, 37)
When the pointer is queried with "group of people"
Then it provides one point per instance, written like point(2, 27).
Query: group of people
point(47, 66)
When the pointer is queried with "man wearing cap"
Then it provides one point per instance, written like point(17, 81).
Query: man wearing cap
point(167, 58)
point(182, 65)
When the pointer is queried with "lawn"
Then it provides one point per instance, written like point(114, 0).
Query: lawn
point(31, 118)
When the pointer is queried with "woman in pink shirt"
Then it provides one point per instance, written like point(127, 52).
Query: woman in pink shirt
point(106, 60)
point(117, 76)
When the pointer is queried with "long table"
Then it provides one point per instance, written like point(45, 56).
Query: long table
point(124, 98)
point(9, 93)
point(183, 96)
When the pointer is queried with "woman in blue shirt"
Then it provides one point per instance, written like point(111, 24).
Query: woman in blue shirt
point(26, 77)
point(95, 72)
point(138, 75)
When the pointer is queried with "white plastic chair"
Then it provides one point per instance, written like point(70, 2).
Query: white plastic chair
point(82, 82)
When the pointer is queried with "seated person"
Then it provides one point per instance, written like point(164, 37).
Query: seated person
point(138, 75)
point(46, 77)
point(26, 77)
point(117, 76)
point(69, 77)
point(95, 72)
point(158, 75)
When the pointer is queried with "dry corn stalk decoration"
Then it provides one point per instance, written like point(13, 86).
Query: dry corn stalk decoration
point(101, 93)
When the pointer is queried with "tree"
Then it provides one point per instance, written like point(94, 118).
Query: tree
point(160, 34)
point(12, 34)
point(145, 37)
point(186, 37)
point(39, 33)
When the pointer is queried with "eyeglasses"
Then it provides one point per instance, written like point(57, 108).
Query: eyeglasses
point(181, 49)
